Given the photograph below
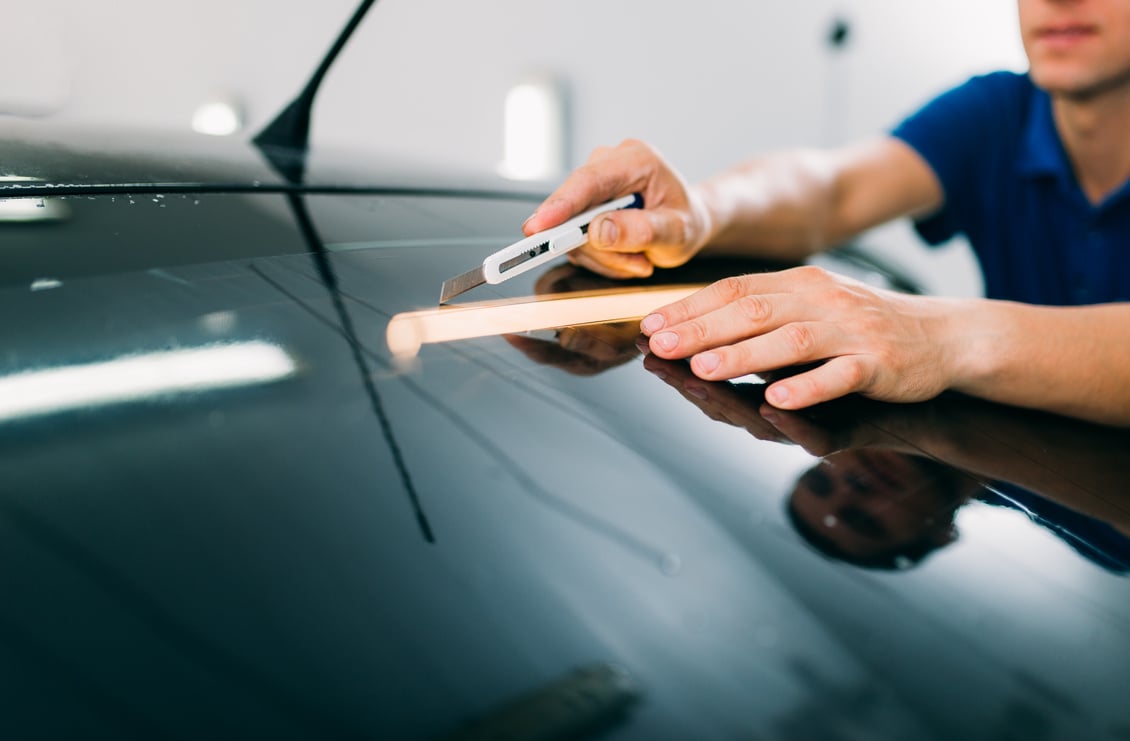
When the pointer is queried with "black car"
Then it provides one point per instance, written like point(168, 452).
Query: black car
point(228, 510)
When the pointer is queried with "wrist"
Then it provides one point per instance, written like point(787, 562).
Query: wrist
point(973, 336)
point(707, 215)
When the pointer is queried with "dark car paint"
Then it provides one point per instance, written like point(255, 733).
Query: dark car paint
point(473, 544)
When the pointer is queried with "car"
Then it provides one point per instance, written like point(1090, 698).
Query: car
point(230, 508)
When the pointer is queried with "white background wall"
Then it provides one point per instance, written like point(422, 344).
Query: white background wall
point(707, 82)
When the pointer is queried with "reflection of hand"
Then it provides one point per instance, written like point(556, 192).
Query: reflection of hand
point(668, 231)
point(891, 505)
point(582, 351)
point(1080, 465)
point(585, 350)
point(880, 344)
point(743, 405)
point(734, 404)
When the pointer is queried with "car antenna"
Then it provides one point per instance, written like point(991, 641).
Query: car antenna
point(289, 132)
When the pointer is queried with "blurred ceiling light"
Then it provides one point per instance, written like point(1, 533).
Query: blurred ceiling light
point(139, 377)
point(534, 131)
point(218, 118)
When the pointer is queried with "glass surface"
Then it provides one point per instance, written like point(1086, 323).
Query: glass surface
point(545, 534)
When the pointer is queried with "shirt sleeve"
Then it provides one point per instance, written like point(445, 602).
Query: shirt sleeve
point(954, 133)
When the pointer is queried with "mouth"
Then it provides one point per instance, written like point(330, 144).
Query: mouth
point(1065, 34)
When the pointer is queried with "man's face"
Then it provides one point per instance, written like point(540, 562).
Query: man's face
point(1077, 48)
point(869, 502)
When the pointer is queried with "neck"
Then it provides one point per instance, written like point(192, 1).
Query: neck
point(1094, 133)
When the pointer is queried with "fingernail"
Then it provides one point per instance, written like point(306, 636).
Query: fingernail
point(777, 395)
point(666, 340)
point(771, 417)
point(652, 323)
point(606, 233)
point(529, 218)
point(708, 361)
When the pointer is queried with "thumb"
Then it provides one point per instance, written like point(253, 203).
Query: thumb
point(664, 233)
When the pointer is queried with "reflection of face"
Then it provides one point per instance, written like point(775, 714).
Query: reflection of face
point(1077, 48)
point(868, 503)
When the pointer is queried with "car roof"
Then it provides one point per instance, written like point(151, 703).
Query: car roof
point(219, 483)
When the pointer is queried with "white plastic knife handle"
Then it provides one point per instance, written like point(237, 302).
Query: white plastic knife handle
point(542, 247)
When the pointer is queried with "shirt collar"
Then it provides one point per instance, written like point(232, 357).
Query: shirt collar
point(1042, 152)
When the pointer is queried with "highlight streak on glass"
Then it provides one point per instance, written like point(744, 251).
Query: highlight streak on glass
point(138, 377)
point(408, 331)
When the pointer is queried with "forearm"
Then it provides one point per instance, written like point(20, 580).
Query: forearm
point(1068, 360)
point(778, 206)
point(790, 205)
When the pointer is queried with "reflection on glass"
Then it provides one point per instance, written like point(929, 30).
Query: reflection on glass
point(137, 377)
point(892, 477)
point(28, 208)
point(585, 350)
point(878, 508)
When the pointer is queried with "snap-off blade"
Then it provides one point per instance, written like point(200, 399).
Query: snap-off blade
point(461, 284)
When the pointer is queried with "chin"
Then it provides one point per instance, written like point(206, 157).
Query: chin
point(1069, 81)
point(1064, 84)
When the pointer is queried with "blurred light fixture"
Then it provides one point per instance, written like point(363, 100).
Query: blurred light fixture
point(140, 377)
point(534, 131)
point(219, 117)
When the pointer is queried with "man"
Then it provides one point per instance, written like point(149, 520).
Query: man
point(1033, 168)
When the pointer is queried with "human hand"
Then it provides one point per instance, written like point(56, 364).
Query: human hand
point(737, 405)
point(671, 227)
point(820, 432)
point(877, 343)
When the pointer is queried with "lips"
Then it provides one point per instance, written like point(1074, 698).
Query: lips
point(1065, 33)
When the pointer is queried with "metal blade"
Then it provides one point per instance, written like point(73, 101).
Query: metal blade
point(461, 283)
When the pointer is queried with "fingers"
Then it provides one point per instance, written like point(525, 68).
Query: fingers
point(608, 174)
point(792, 344)
point(612, 264)
point(777, 329)
point(831, 380)
point(633, 230)
point(734, 405)
point(733, 290)
point(756, 324)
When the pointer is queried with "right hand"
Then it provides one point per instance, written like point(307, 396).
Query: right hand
point(672, 226)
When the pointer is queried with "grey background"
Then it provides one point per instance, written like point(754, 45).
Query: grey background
point(708, 83)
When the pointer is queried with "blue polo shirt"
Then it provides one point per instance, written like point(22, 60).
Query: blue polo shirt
point(1010, 189)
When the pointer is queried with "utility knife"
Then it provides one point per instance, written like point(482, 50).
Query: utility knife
point(534, 250)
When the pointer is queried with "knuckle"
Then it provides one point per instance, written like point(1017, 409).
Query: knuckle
point(755, 309)
point(644, 230)
point(801, 340)
point(730, 289)
point(854, 374)
point(635, 145)
point(740, 358)
point(587, 178)
point(698, 331)
point(599, 153)
point(812, 274)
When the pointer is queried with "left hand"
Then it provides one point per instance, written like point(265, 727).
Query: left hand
point(743, 405)
point(878, 343)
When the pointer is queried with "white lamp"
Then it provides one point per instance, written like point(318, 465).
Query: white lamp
point(534, 130)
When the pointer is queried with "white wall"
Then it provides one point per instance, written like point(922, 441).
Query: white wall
point(707, 82)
